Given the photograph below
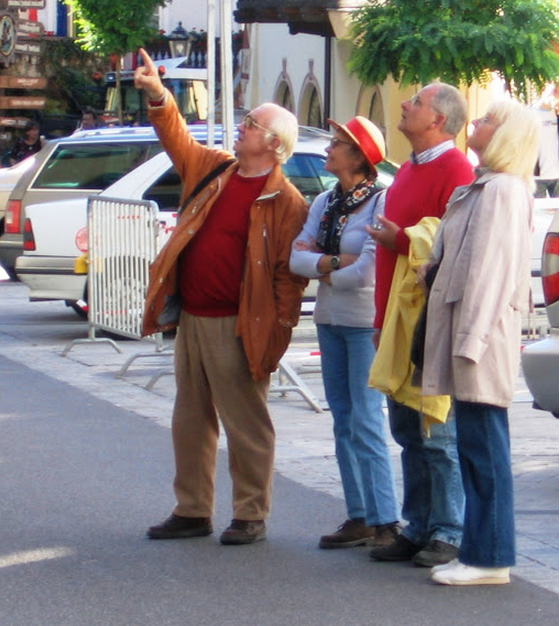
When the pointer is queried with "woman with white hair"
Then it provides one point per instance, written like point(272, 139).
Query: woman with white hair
point(473, 333)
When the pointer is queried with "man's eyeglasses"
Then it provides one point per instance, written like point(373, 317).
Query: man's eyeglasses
point(248, 121)
point(335, 142)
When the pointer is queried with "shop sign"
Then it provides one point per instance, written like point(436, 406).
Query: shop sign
point(25, 27)
point(23, 82)
point(13, 122)
point(26, 4)
point(21, 102)
point(28, 47)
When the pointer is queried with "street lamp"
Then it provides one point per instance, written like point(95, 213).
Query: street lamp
point(179, 42)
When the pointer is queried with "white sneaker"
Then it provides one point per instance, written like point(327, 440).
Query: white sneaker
point(461, 574)
point(440, 568)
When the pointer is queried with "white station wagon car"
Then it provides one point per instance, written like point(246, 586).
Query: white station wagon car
point(55, 233)
point(82, 164)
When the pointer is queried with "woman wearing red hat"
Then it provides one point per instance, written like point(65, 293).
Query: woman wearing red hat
point(335, 248)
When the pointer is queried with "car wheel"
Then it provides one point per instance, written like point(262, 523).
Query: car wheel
point(80, 306)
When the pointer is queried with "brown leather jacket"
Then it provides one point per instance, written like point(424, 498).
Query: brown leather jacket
point(270, 298)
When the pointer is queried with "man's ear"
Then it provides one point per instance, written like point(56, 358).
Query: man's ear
point(439, 121)
point(274, 142)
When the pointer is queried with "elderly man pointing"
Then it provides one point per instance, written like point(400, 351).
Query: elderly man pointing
point(228, 262)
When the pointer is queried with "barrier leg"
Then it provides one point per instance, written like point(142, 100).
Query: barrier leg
point(160, 350)
point(153, 380)
point(297, 386)
point(91, 339)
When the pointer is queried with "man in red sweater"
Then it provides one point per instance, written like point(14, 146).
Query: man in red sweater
point(433, 500)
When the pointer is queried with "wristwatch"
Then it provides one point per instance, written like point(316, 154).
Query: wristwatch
point(335, 262)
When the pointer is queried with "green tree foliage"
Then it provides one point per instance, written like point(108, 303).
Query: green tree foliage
point(114, 26)
point(457, 41)
point(71, 71)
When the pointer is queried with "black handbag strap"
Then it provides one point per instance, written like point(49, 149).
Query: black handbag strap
point(207, 179)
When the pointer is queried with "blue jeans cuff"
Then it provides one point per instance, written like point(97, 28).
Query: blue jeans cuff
point(454, 541)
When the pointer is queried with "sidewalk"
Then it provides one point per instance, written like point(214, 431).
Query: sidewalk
point(35, 334)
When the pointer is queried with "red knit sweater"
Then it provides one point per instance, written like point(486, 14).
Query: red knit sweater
point(418, 191)
point(211, 266)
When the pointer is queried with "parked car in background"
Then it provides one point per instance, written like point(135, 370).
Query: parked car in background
point(80, 165)
point(543, 211)
point(55, 232)
point(540, 359)
point(9, 176)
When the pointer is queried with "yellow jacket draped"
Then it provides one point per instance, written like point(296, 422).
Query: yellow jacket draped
point(392, 369)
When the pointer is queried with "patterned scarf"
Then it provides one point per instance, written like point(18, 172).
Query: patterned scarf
point(338, 208)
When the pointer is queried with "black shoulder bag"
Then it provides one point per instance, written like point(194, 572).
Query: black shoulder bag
point(205, 181)
point(419, 336)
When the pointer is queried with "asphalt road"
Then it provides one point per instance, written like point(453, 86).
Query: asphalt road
point(83, 479)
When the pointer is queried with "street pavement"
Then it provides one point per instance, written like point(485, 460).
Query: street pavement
point(87, 466)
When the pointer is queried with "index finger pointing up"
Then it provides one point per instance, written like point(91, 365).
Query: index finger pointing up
point(148, 63)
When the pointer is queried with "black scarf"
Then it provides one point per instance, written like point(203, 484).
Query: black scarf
point(338, 208)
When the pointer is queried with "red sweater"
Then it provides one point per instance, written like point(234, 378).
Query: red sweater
point(211, 266)
point(418, 191)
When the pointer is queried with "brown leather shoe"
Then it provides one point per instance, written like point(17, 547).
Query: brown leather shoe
point(402, 549)
point(351, 533)
point(384, 535)
point(241, 532)
point(435, 553)
point(177, 527)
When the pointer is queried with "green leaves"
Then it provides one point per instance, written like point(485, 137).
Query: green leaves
point(113, 26)
point(459, 41)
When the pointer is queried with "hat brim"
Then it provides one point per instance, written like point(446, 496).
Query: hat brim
point(351, 136)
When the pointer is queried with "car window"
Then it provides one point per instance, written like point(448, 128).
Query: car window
point(386, 172)
point(94, 166)
point(307, 173)
point(304, 171)
point(166, 191)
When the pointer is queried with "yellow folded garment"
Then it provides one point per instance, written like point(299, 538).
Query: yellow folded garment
point(392, 369)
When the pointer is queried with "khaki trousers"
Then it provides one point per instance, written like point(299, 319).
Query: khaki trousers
point(213, 379)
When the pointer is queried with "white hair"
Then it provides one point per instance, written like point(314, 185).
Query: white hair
point(283, 125)
point(513, 147)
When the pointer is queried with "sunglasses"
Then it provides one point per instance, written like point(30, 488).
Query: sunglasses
point(249, 122)
point(335, 142)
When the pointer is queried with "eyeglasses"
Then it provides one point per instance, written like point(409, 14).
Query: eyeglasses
point(248, 121)
point(335, 142)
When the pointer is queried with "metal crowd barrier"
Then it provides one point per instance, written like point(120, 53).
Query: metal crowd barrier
point(122, 243)
point(123, 240)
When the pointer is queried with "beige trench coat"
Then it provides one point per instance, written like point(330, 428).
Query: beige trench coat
point(482, 287)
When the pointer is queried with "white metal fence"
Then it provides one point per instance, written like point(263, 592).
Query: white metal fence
point(122, 243)
point(124, 237)
point(123, 240)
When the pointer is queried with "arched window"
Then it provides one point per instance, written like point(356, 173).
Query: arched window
point(284, 96)
point(310, 108)
point(370, 105)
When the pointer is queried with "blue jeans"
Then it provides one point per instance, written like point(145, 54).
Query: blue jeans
point(484, 454)
point(433, 500)
point(360, 443)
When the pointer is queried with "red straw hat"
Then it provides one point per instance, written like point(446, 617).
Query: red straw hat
point(367, 137)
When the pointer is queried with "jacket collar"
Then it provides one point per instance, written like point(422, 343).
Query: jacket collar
point(273, 184)
point(483, 175)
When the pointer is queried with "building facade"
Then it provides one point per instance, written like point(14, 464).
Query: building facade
point(294, 53)
point(298, 55)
